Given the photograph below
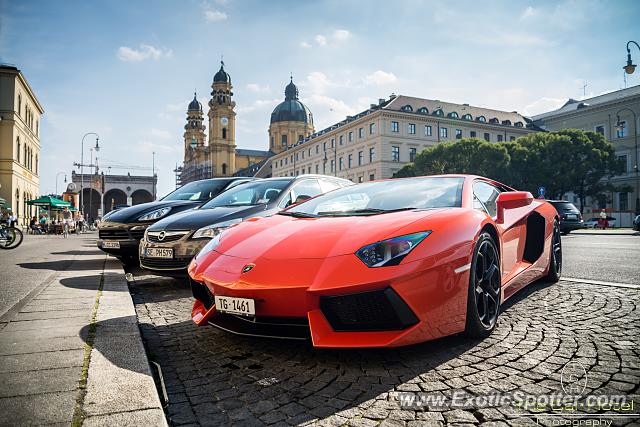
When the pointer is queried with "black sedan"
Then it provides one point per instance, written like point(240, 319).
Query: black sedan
point(120, 231)
point(169, 245)
point(570, 216)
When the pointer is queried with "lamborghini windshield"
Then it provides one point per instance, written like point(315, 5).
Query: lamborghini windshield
point(385, 196)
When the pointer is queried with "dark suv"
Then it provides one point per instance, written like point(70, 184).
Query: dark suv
point(570, 216)
point(169, 245)
point(120, 231)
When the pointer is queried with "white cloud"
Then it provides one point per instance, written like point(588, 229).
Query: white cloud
point(213, 15)
point(255, 87)
point(380, 78)
point(341, 35)
point(334, 38)
point(321, 40)
point(144, 52)
point(543, 105)
point(529, 12)
point(258, 105)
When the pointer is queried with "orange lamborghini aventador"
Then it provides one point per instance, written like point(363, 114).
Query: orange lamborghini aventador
point(384, 263)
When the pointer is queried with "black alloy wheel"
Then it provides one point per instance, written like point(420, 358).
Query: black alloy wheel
point(483, 303)
point(555, 261)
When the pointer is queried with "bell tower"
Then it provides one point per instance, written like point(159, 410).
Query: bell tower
point(196, 161)
point(222, 125)
point(194, 129)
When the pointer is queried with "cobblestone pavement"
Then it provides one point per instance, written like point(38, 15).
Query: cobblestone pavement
point(215, 378)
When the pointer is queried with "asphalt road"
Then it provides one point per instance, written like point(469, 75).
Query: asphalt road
point(30, 265)
point(606, 258)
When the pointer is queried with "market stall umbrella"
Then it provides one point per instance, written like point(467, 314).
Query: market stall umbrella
point(49, 202)
point(3, 202)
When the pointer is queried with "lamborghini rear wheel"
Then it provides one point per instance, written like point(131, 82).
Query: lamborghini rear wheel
point(555, 261)
point(483, 302)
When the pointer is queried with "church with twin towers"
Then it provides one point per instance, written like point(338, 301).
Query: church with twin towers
point(215, 154)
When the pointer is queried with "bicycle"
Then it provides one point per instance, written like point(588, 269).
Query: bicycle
point(10, 237)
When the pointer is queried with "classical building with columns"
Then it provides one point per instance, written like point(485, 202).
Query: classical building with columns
point(217, 154)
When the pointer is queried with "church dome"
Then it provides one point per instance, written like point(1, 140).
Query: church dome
point(222, 76)
point(195, 105)
point(291, 109)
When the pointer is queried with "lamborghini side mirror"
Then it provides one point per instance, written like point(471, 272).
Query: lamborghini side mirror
point(511, 200)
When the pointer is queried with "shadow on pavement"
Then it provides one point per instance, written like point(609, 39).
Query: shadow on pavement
point(61, 265)
point(84, 282)
point(78, 252)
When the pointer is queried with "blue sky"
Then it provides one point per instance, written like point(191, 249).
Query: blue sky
point(127, 70)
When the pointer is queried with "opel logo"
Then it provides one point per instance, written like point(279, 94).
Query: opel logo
point(161, 236)
point(247, 268)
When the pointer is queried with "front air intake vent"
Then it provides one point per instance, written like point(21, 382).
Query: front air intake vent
point(381, 310)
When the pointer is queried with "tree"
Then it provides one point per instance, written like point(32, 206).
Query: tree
point(466, 156)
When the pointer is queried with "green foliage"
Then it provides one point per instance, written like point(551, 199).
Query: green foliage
point(563, 161)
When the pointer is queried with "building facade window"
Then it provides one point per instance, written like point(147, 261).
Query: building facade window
point(458, 133)
point(624, 160)
point(395, 153)
point(395, 127)
point(372, 128)
point(341, 163)
point(372, 177)
point(372, 154)
point(444, 133)
point(317, 168)
point(487, 136)
point(412, 154)
point(473, 134)
point(412, 128)
point(360, 157)
point(333, 165)
point(428, 131)
point(500, 138)
point(360, 132)
point(350, 136)
point(341, 139)
point(512, 138)
point(350, 161)
point(599, 129)
point(318, 149)
point(283, 140)
point(623, 201)
point(360, 179)
point(621, 130)
point(18, 149)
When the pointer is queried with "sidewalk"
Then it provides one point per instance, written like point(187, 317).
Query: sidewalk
point(608, 231)
point(73, 354)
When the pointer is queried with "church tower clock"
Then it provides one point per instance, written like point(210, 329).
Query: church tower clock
point(222, 125)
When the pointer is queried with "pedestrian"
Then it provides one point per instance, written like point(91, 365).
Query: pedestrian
point(13, 220)
point(602, 222)
point(67, 222)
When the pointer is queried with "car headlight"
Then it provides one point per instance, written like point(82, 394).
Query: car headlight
point(214, 229)
point(155, 214)
point(210, 246)
point(390, 251)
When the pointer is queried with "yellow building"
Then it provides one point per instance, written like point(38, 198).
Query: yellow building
point(218, 155)
point(20, 114)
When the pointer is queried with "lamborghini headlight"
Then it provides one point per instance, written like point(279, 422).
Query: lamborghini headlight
point(390, 251)
point(214, 229)
point(155, 214)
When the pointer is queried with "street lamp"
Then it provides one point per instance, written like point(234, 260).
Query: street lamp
point(620, 128)
point(630, 67)
point(65, 180)
point(97, 147)
point(335, 160)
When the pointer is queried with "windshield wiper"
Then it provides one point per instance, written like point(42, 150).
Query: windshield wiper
point(297, 214)
point(367, 211)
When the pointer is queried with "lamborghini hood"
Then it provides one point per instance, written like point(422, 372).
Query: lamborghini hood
point(283, 237)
